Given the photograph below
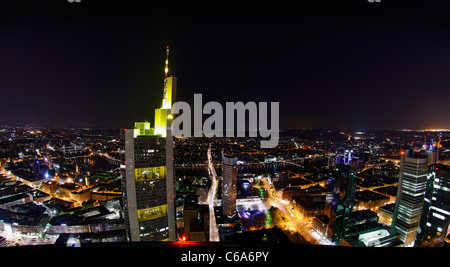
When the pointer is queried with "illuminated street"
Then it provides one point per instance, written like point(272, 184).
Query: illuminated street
point(296, 221)
point(213, 229)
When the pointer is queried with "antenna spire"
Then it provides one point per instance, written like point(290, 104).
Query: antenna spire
point(166, 69)
point(166, 74)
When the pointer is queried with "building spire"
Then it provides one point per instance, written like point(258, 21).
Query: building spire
point(166, 74)
point(166, 69)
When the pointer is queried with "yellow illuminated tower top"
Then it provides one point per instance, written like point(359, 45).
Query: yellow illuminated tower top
point(161, 114)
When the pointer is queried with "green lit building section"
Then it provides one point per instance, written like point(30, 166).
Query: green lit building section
point(143, 128)
point(169, 85)
point(161, 114)
point(161, 121)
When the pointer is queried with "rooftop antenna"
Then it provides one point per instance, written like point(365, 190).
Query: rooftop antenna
point(166, 73)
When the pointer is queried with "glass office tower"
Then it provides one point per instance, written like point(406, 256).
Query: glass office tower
point(411, 193)
point(339, 202)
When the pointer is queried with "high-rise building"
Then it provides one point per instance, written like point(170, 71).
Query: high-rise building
point(148, 173)
point(339, 202)
point(411, 193)
point(434, 222)
point(348, 156)
point(229, 185)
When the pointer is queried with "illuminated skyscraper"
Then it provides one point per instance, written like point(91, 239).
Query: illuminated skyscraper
point(411, 193)
point(170, 86)
point(435, 219)
point(147, 173)
point(339, 202)
point(229, 185)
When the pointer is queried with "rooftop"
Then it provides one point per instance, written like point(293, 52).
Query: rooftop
point(368, 195)
point(191, 202)
point(272, 236)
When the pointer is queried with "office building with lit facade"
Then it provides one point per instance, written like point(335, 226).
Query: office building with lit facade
point(434, 222)
point(229, 186)
point(411, 191)
point(146, 155)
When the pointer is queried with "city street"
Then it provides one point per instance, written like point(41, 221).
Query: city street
point(296, 221)
point(213, 230)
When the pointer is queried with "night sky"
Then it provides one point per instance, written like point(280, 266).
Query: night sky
point(330, 64)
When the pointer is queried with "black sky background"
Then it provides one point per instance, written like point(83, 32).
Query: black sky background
point(330, 64)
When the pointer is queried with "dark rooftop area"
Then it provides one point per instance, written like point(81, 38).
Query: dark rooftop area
point(272, 236)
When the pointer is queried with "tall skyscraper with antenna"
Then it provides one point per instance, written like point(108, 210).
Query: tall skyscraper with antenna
point(170, 85)
point(148, 174)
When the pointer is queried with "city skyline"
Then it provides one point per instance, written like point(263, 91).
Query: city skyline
point(343, 65)
point(101, 99)
point(322, 188)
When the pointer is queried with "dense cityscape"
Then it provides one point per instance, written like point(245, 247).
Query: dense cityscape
point(243, 134)
point(63, 186)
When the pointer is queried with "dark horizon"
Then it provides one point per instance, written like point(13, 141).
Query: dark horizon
point(349, 65)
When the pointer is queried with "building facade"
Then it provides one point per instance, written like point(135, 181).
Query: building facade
point(229, 186)
point(434, 222)
point(339, 202)
point(411, 192)
point(147, 173)
point(144, 187)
